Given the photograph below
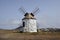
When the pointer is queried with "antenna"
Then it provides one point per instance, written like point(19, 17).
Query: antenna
point(36, 10)
point(21, 9)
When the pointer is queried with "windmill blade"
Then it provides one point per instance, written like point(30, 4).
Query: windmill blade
point(22, 10)
point(36, 10)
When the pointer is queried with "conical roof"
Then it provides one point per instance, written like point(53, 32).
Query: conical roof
point(29, 16)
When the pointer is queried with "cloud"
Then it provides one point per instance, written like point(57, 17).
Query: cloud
point(11, 22)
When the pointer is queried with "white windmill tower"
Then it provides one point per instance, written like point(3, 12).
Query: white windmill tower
point(29, 23)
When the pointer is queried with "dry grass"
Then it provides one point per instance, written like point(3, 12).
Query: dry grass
point(13, 35)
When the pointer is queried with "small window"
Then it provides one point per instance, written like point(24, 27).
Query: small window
point(23, 24)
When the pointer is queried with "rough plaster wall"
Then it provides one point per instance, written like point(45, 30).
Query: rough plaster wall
point(30, 25)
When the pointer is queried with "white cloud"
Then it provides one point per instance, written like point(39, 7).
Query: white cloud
point(11, 22)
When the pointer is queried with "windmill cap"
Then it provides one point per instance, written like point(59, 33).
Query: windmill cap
point(29, 16)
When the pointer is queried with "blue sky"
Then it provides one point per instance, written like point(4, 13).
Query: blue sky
point(49, 15)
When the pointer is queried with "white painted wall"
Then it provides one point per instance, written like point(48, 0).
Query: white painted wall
point(30, 25)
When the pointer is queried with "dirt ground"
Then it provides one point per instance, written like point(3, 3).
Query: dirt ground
point(10, 35)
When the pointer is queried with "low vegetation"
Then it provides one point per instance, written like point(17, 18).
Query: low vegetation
point(15, 35)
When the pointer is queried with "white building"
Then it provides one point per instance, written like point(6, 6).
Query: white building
point(29, 23)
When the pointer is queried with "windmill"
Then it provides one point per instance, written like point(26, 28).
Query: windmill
point(29, 23)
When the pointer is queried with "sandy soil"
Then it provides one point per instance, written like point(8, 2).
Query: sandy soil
point(10, 35)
